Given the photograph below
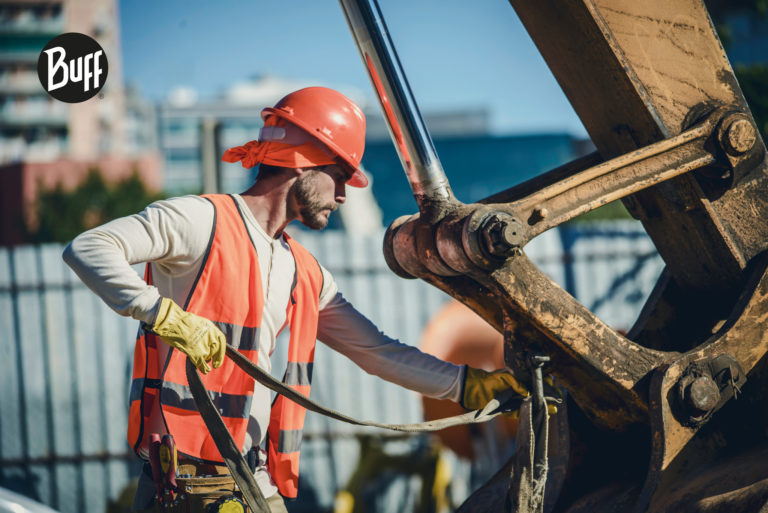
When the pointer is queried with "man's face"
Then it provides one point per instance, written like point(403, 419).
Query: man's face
point(317, 193)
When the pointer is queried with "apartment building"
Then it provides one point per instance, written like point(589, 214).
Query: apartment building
point(35, 127)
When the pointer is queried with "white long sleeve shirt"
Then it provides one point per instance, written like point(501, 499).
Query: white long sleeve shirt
point(173, 235)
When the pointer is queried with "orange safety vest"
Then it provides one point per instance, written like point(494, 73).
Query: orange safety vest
point(228, 291)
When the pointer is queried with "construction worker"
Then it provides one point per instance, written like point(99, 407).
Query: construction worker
point(220, 270)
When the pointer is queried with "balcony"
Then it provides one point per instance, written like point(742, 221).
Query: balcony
point(26, 82)
point(18, 56)
point(43, 28)
point(31, 21)
point(16, 149)
point(42, 112)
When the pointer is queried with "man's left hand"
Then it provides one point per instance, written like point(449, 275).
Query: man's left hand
point(481, 386)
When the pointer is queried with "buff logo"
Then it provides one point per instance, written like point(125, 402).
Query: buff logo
point(72, 67)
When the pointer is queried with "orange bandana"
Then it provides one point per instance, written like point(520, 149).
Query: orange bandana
point(299, 149)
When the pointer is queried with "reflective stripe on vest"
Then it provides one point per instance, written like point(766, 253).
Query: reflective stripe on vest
point(228, 291)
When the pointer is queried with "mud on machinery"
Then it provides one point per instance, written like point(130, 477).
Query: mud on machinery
point(672, 416)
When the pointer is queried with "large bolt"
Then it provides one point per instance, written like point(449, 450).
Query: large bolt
point(740, 137)
point(502, 234)
point(510, 234)
point(702, 394)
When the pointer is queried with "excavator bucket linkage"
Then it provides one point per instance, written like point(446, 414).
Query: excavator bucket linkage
point(673, 415)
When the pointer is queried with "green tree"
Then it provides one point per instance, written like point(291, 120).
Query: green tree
point(63, 214)
point(720, 9)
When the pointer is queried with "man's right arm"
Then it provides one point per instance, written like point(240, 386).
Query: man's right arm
point(173, 233)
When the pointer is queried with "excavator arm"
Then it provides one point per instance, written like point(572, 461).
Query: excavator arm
point(675, 142)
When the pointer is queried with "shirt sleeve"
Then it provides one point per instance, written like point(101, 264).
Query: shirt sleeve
point(344, 329)
point(329, 290)
point(172, 233)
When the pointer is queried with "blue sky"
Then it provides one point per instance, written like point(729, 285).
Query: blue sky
point(455, 53)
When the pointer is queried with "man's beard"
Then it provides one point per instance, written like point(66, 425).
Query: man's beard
point(310, 206)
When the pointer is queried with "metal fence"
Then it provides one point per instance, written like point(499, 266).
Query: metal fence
point(63, 393)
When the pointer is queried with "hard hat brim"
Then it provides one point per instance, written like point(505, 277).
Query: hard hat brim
point(358, 179)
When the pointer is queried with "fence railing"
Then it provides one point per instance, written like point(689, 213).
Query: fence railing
point(63, 391)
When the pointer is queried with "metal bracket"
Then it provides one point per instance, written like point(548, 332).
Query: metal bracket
point(630, 104)
point(705, 387)
point(723, 361)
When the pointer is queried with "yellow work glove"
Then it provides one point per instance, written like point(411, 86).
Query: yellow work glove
point(481, 386)
point(195, 336)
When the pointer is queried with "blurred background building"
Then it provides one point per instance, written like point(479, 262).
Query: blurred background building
point(33, 123)
point(45, 142)
point(35, 126)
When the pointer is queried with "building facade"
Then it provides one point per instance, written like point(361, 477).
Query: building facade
point(34, 127)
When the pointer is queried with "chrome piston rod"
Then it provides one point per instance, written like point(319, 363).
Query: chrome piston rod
point(406, 126)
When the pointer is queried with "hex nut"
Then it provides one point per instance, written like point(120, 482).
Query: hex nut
point(502, 233)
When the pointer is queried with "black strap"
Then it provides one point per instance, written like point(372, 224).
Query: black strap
point(229, 452)
point(507, 401)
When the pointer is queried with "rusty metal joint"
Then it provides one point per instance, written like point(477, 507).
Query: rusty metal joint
point(390, 252)
point(736, 133)
point(740, 149)
point(501, 234)
point(705, 387)
point(491, 235)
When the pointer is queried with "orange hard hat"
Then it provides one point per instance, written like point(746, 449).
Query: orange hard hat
point(331, 118)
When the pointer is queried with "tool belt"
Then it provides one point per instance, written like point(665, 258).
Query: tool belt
point(203, 488)
point(184, 485)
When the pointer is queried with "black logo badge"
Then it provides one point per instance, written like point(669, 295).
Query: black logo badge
point(72, 67)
